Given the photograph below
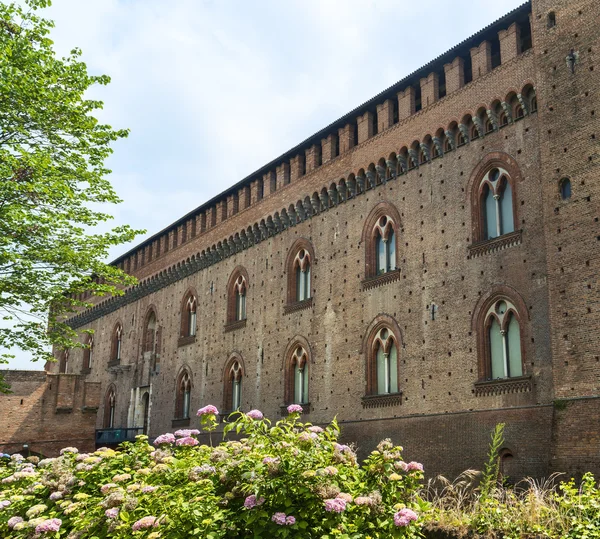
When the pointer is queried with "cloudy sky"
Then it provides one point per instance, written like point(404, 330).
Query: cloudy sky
point(213, 89)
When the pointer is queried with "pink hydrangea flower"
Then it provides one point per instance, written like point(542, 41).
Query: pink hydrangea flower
point(4, 503)
point(147, 489)
point(255, 414)
point(252, 501)
point(56, 496)
point(112, 512)
point(271, 460)
point(187, 441)
point(415, 466)
point(208, 410)
point(401, 465)
point(294, 408)
point(336, 505)
point(144, 523)
point(167, 438)
point(186, 433)
point(69, 450)
point(50, 525)
point(105, 489)
point(316, 429)
point(404, 517)
point(341, 447)
point(13, 521)
point(282, 519)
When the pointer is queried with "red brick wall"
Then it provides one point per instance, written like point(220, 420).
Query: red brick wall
point(47, 412)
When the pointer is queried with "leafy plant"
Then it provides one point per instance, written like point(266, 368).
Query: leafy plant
point(287, 479)
point(52, 184)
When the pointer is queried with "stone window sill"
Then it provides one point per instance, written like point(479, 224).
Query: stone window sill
point(184, 341)
point(306, 408)
point(496, 244)
point(504, 386)
point(84, 372)
point(236, 324)
point(184, 422)
point(380, 401)
point(380, 280)
point(114, 363)
point(298, 306)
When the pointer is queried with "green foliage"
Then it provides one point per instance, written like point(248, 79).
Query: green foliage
point(52, 184)
point(581, 508)
point(288, 472)
point(489, 479)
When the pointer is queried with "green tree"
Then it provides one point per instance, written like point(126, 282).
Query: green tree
point(52, 187)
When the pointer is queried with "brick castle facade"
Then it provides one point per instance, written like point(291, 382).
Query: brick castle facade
point(423, 268)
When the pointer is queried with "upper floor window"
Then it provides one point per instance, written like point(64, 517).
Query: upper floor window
point(503, 341)
point(565, 188)
point(380, 238)
point(296, 391)
point(109, 408)
point(302, 270)
point(497, 204)
point(382, 351)
point(299, 266)
point(237, 288)
point(63, 364)
point(150, 333)
point(385, 241)
point(551, 20)
point(117, 343)
point(88, 353)
point(234, 373)
point(386, 357)
point(188, 315)
point(184, 391)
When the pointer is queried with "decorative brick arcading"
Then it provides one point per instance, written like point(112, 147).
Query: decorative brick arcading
point(522, 384)
point(496, 244)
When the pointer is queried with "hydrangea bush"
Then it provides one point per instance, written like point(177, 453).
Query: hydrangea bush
point(288, 479)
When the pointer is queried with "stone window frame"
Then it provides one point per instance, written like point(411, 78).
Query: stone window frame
point(88, 354)
point(237, 280)
point(372, 398)
point(369, 240)
point(63, 363)
point(499, 160)
point(229, 373)
point(110, 407)
point(189, 307)
point(293, 304)
point(480, 327)
point(183, 380)
point(116, 346)
point(289, 370)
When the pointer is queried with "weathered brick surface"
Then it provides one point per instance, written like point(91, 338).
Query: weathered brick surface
point(47, 412)
point(551, 271)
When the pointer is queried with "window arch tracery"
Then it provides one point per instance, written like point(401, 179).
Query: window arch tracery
point(299, 267)
point(88, 353)
point(189, 307)
point(237, 290)
point(183, 398)
point(117, 343)
point(297, 361)
point(110, 402)
point(503, 340)
point(382, 349)
point(233, 378)
point(380, 235)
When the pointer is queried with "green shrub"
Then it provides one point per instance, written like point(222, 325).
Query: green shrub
point(290, 479)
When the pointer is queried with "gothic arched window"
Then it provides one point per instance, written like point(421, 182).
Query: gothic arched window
point(109, 408)
point(497, 210)
point(188, 315)
point(565, 189)
point(237, 289)
point(117, 343)
point(88, 353)
point(302, 273)
point(299, 268)
point(184, 391)
point(234, 374)
point(63, 363)
point(380, 238)
point(503, 341)
point(297, 375)
point(150, 333)
point(382, 355)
